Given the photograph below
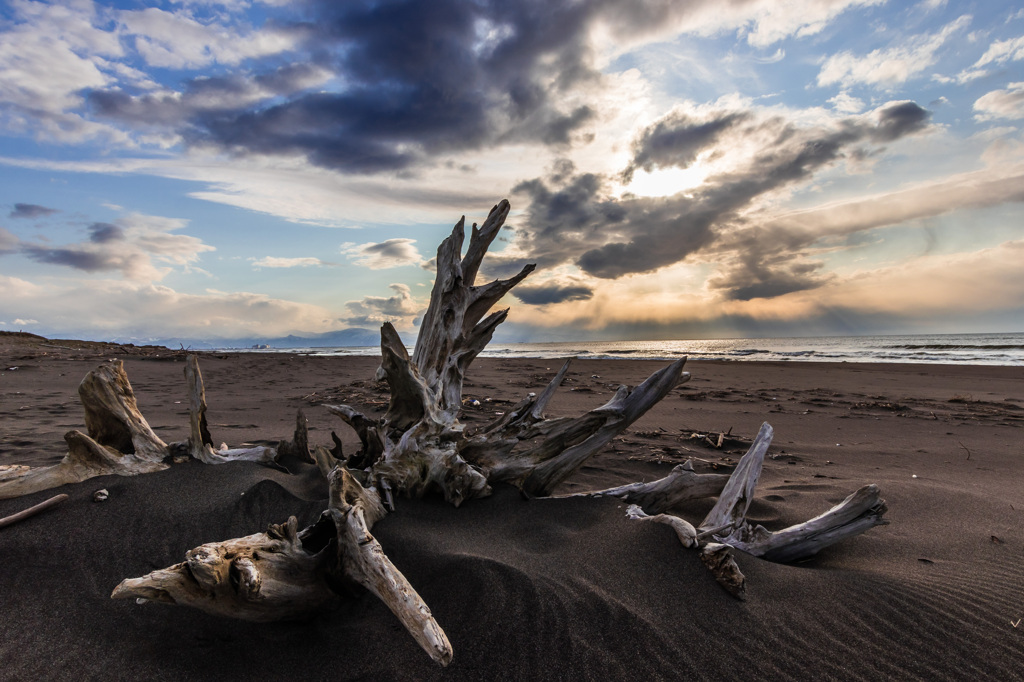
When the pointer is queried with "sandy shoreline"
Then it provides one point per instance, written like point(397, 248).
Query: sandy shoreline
point(548, 589)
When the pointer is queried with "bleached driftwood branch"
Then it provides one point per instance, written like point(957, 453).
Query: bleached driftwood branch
point(200, 442)
point(857, 513)
point(33, 510)
point(681, 485)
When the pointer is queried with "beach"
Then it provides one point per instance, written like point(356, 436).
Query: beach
point(541, 588)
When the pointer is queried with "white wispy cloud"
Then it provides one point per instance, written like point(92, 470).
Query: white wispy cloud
point(275, 262)
point(892, 66)
point(175, 40)
point(153, 310)
point(1007, 103)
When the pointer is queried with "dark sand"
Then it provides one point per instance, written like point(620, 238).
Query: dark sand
point(542, 589)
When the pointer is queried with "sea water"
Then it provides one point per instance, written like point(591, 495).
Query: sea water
point(967, 349)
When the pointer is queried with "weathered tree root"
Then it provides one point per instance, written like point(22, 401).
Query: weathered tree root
point(726, 522)
point(85, 459)
point(285, 573)
point(419, 445)
point(112, 417)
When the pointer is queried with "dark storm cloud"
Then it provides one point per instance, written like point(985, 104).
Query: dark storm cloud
point(31, 211)
point(898, 119)
point(757, 277)
point(139, 248)
point(552, 293)
point(80, 259)
point(100, 254)
point(677, 139)
point(205, 97)
point(574, 218)
point(424, 78)
point(102, 233)
point(413, 79)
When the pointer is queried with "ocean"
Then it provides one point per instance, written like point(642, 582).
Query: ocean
point(966, 349)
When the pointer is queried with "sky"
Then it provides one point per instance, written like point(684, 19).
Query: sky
point(701, 169)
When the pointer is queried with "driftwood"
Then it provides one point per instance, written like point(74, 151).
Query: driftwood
point(286, 573)
point(85, 459)
point(681, 485)
point(857, 513)
point(112, 417)
point(200, 443)
point(419, 447)
point(32, 511)
point(120, 441)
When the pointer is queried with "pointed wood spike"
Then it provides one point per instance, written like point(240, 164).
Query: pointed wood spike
point(481, 239)
point(732, 505)
point(537, 412)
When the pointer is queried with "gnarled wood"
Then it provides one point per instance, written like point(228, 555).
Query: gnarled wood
point(732, 505)
point(715, 557)
point(681, 485)
point(85, 459)
point(260, 577)
point(285, 573)
point(859, 512)
point(354, 511)
point(112, 416)
point(420, 446)
point(725, 569)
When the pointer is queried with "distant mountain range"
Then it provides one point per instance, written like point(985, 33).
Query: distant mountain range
point(344, 338)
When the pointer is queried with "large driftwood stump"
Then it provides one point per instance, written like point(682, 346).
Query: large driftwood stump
point(112, 417)
point(419, 445)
